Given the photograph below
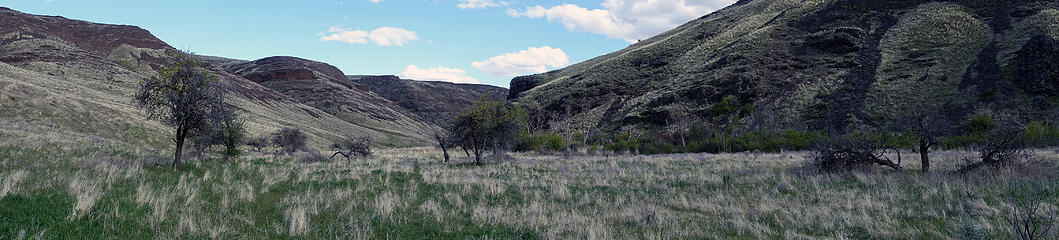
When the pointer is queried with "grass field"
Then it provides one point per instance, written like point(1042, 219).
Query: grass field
point(73, 193)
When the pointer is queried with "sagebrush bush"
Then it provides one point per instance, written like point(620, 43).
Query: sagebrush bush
point(290, 140)
point(539, 141)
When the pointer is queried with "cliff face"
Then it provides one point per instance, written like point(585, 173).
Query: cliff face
point(73, 80)
point(804, 64)
point(437, 102)
point(288, 68)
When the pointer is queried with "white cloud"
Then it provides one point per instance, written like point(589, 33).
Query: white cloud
point(439, 73)
point(629, 20)
point(383, 36)
point(529, 61)
point(477, 4)
point(376, 1)
point(390, 36)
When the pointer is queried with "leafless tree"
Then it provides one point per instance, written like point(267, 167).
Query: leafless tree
point(680, 124)
point(181, 96)
point(348, 148)
point(844, 153)
point(1027, 220)
point(1004, 144)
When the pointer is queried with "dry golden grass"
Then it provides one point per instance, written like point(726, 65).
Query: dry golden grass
point(410, 193)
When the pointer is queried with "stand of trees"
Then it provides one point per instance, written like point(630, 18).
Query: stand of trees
point(489, 125)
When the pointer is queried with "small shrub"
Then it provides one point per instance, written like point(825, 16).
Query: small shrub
point(540, 141)
point(981, 123)
point(313, 157)
point(290, 140)
point(1041, 134)
point(258, 143)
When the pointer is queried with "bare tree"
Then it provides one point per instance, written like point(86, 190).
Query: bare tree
point(680, 124)
point(181, 96)
point(1027, 220)
point(844, 153)
point(360, 146)
point(928, 125)
point(1003, 144)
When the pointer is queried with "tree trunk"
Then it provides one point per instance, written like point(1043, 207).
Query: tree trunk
point(683, 143)
point(181, 133)
point(924, 155)
point(445, 152)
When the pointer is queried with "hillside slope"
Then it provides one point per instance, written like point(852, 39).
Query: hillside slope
point(437, 102)
point(74, 80)
point(804, 64)
point(325, 87)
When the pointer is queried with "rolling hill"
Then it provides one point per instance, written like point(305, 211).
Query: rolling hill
point(64, 80)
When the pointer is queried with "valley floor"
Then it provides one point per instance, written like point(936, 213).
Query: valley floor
point(75, 193)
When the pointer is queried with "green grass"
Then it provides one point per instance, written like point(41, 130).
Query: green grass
point(529, 197)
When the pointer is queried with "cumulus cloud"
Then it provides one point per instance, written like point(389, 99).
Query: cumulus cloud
point(629, 20)
point(439, 73)
point(383, 36)
point(529, 61)
point(478, 4)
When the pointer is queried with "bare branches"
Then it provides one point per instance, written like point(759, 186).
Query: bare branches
point(348, 148)
point(852, 152)
point(1004, 144)
point(1027, 220)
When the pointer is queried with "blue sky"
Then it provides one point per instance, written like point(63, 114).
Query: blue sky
point(483, 41)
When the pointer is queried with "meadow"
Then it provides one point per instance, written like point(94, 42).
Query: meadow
point(79, 192)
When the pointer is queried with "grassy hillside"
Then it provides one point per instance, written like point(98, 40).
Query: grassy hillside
point(74, 79)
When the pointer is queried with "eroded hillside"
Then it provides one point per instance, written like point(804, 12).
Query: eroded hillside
point(817, 64)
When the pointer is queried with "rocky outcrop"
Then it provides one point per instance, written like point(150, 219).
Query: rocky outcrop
point(288, 68)
point(1037, 66)
point(97, 38)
